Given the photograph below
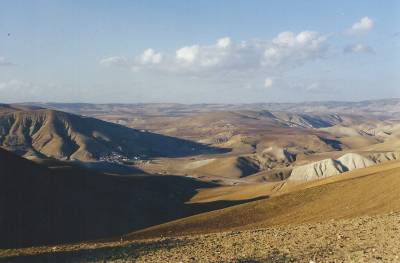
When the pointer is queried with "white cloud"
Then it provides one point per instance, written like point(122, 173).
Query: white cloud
point(224, 42)
point(286, 51)
point(14, 85)
point(20, 91)
point(289, 48)
point(276, 84)
point(115, 62)
point(314, 86)
point(268, 82)
point(3, 62)
point(150, 57)
point(27, 87)
point(365, 25)
point(188, 54)
point(358, 48)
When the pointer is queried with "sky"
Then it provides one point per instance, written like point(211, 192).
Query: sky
point(191, 52)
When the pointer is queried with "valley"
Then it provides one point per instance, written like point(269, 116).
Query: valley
point(199, 131)
point(114, 176)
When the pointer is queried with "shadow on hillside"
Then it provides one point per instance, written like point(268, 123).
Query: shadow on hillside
point(42, 206)
point(198, 208)
point(173, 147)
point(101, 167)
point(335, 144)
point(123, 252)
point(132, 251)
point(72, 204)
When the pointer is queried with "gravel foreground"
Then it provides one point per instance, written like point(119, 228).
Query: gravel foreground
point(365, 239)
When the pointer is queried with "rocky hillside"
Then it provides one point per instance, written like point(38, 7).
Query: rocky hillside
point(330, 167)
point(68, 136)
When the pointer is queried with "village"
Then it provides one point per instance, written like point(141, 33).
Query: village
point(115, 157)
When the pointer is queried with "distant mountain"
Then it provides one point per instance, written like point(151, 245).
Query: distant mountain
point(258, 129)
point(68, 136)
point(9, 108)
point(383, 109)
point(256, 118)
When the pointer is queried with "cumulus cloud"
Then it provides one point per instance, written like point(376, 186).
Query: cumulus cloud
point(359, 48)
point(286, 51)
point(224, 42)
point(289, 48)
point(150, 57)
point(3, 62)
point(268, 82)
point(188, 54)
point(146, 58)
point(364, 26)
point(14, 85)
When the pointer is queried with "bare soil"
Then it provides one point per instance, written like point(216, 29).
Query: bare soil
point(364, 239)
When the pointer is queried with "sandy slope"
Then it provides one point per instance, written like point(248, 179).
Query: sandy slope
point(363, 239)
point(350, 217)
point(229, 167)
point(249, 191)
point(375, 193)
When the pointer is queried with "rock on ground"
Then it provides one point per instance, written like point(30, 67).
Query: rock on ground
point(365, 239)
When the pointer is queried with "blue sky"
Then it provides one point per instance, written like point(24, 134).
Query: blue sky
point(198, 51)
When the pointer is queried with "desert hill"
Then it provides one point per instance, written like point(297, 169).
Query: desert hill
point(277, 164)
point(67, 203)
point(330, 167)
point(245, 131)
point(229, 167)
point(384, 128)
point(237, 167)
point(248, 132)
point(256, 117)
point(254, 186)
point(368, 191)
point(236, 170)
point(48, 133)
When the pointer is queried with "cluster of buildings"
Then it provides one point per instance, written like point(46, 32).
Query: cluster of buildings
point(115, 157)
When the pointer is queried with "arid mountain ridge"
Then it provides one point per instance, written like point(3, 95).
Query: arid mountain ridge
point(68, 136)
point(383, 109)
